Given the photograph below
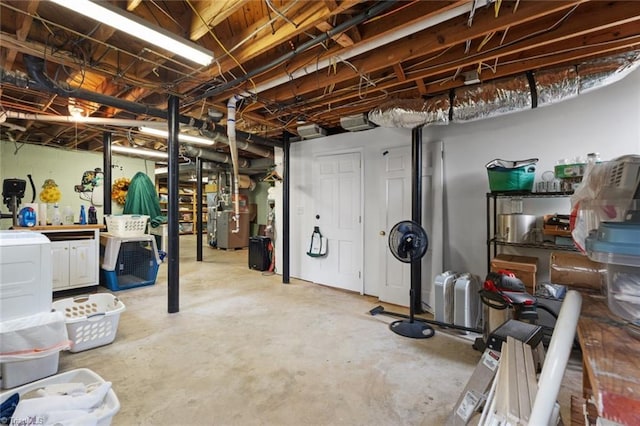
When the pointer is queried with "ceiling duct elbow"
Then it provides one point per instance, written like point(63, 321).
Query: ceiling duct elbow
point(311, 131)
point(356, 123)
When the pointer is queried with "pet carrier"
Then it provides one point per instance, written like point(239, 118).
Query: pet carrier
point(128, 262)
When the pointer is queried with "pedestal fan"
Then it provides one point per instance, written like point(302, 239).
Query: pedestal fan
point(408, 243)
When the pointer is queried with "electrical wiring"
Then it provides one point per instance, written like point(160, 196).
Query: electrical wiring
point(534, 34)
point(210, 31)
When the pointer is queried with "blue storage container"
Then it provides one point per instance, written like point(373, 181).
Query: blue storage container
point(128, 262)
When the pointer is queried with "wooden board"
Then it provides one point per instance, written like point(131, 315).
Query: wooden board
point(611, 358)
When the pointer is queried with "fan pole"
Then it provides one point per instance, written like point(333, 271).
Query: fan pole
point(411, 328)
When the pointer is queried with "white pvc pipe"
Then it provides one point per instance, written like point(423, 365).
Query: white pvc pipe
point(556, 359)
point(71, 119)
point(361, 48)
point(231, 134)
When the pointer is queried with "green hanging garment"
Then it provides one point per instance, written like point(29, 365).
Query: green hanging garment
point(142, 198)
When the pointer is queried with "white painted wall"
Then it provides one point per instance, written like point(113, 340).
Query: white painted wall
point(605, 121)
point(66, 168)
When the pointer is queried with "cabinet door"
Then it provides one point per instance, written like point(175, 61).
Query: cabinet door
point(82, 263)
point(60, 262)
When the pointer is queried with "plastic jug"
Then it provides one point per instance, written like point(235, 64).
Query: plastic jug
point(27, 217)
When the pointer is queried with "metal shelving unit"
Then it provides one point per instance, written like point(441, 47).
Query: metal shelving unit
point(492, 222)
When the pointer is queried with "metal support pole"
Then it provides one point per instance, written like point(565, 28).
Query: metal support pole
point(285, 210)
point(173, 276)
point(199, 209)
point(106, 169)
point(416, 213)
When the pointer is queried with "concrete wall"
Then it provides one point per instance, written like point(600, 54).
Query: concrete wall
point(66, 168)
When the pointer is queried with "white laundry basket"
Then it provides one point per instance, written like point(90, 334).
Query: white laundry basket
point(92, 320)
point(104, 412)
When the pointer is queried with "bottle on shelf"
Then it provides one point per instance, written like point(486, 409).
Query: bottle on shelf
point(57, 218)
point(93, 217)
point(83, 216)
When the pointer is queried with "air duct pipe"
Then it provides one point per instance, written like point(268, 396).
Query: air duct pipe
point(243, 145)
point(39, 81)
point(231, 134)
point(222, 159)
point(504, 96)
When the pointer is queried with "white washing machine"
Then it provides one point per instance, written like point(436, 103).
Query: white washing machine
point(25, 274)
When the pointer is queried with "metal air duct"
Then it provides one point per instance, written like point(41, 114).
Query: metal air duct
point(311, 131)
point(504, 96)
point(355, 123)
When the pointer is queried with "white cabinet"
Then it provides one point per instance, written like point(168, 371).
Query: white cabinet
point(74, 264)
point(75, 250)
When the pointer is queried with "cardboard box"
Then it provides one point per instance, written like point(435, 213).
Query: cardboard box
point(523, 267)
point(576, 271)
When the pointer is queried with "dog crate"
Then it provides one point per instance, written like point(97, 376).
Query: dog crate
point(128, 262)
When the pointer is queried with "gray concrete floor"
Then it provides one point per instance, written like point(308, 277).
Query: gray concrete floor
point(246, 349)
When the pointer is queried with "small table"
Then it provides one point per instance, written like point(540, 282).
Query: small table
point(611, 362)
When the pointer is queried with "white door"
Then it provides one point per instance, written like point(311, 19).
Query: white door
point(82, 263)
point(338, 213)
point(60, 262)
point(395, 169)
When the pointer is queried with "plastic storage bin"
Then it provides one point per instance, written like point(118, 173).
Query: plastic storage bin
point(126, 225)
point(104, 413)
point(91, 321)
point(505, 175)
point(618, 245)
point(128, 262)
point(20, 372)
point(30, 347)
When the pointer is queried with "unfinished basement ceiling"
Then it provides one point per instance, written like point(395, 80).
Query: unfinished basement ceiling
point(289, 59)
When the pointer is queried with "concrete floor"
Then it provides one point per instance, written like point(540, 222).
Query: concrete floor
point(246, 349)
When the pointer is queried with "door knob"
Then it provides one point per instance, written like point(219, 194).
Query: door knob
point(383, 233)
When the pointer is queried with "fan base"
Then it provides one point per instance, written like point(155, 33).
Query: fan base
point(415, 330)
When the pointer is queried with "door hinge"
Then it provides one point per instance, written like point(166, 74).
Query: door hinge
point(359, 219)
point(359, 274)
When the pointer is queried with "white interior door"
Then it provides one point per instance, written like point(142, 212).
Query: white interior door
point(395, 170)
point(338, 213)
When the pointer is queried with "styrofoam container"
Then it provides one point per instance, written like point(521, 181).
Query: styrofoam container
point(92, 320)
point(104, 413)
point(17, 373)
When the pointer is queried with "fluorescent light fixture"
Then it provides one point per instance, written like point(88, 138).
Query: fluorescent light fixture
point(164, 133)
point(142, 152)
point(131, 24)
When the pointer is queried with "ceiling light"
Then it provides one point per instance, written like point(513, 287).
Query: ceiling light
point(139, 152)
point(137, 27)
point(184, 138)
